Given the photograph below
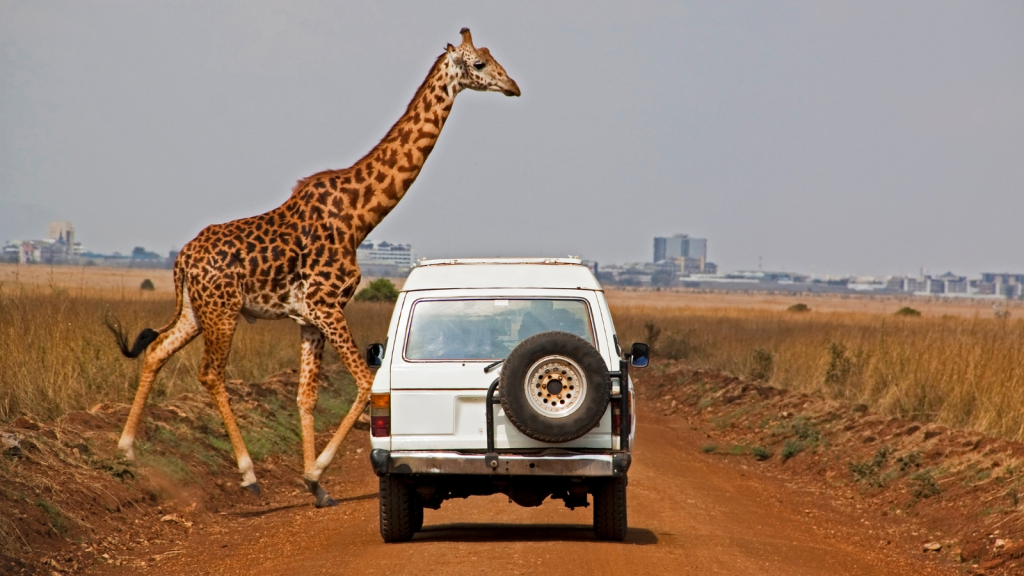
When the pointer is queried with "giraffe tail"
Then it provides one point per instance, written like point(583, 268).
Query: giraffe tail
point(148, 335)
point(144, 339)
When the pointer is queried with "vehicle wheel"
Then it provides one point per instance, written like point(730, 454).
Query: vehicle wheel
point(397, 509)
point(554, 387)
point(610, 509)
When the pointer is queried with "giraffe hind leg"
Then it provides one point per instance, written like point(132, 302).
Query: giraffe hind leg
point(183, 331)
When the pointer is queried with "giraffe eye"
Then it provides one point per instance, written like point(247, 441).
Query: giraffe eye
point(479, 65)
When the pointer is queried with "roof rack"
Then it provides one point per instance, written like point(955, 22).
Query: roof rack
point(453, 261)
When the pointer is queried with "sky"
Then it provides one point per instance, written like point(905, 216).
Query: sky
point(820, 137)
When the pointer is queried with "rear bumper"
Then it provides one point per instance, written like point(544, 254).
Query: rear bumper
point(408, 462)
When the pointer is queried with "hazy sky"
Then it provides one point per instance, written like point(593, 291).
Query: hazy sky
point(826, 137)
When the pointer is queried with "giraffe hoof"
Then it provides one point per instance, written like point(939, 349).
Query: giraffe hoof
point(254, 488)
point(325, 502)
point(323, 499)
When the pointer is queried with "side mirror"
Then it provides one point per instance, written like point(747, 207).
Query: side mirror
point(375, 355)
point(640, 355)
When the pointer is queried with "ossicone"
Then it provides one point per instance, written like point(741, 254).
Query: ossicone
point(467, 37)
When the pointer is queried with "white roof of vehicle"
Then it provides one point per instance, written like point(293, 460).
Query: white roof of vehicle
point(567, 273)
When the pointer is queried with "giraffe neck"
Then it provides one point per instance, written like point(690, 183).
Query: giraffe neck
point(384, 175)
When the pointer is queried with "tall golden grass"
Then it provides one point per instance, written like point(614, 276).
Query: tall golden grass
point(962, 372)
point(56, 355)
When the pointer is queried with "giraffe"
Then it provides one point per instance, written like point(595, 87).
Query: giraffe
point(298, 261)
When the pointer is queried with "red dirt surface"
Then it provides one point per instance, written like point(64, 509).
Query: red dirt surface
point(691, 510)
point(689, 513)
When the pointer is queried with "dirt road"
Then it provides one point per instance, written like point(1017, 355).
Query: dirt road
point(689, 513)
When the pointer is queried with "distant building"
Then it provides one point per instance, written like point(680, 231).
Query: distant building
point(953, 284)
point(61, 231)
point(990, 285)
point(671, 266)
point(383, 252)
point(41, 252)
point(10, 252)
point(697, 248)
point(688, 254)
point(680, 246)
point(1003, 284)
point(59, 246)
point(692, 265)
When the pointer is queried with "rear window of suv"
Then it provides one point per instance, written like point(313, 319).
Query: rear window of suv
point(488, 329)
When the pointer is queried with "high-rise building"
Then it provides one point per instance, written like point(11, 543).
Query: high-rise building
point(697, 248)
point(62, 233)
point(680, 246)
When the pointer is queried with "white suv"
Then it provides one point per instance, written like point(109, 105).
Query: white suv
point(535, 335)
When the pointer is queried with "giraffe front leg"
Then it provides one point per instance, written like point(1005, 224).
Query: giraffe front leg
point(336, 329)
point(309, 379)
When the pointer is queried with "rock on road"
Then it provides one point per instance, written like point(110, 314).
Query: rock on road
point(689, 513)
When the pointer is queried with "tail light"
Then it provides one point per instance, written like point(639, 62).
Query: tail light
point(380, 415)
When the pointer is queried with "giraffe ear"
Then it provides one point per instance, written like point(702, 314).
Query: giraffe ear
point(455, 56)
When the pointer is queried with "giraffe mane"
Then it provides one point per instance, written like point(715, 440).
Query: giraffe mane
point(408, 108)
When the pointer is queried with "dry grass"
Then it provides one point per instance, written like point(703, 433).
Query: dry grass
point(857, 303)
point(100, 281)
point(56, 355)
point(962, 369)
point(963, 372)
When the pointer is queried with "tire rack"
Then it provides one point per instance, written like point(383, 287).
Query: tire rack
point(623, 398)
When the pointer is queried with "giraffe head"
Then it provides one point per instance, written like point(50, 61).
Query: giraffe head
point(474, 68)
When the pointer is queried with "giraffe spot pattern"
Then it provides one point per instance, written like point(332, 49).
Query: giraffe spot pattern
point(299, 259)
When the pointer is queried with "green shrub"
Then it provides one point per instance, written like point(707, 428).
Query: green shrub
point(791, 448)
point(805, 431)
point(909, 312)
point(840, 367)
point(867, 472)
point(799, 307)
point(761, 453)
point(924, 485)
point(380, 290)
point(908, 461)
point(762, 364)
point(147, 284)
point(651, 333)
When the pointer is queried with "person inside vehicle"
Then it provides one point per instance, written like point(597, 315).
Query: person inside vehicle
point(537, 319)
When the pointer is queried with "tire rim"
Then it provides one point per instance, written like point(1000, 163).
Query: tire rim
point(556, 386)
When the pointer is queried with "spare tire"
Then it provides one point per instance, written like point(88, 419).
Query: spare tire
point(554, 387)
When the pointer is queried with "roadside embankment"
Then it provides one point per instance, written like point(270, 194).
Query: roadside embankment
point(69, 501)
point(963, 489)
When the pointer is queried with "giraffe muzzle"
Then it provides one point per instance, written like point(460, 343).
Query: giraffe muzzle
point(512, 89)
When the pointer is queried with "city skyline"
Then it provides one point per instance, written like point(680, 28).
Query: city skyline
point(775, 130)
point(682, 253)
